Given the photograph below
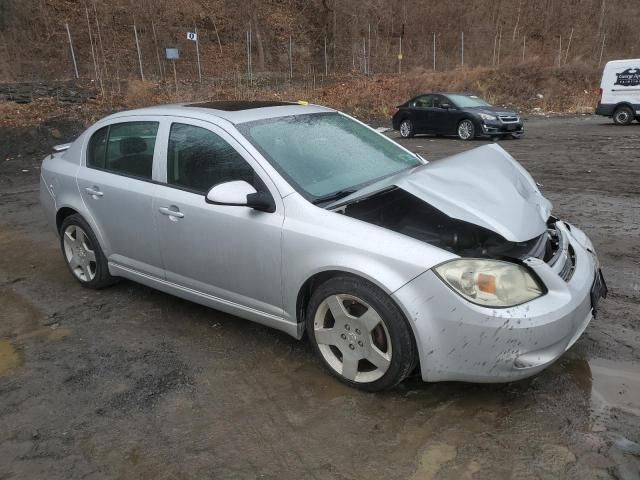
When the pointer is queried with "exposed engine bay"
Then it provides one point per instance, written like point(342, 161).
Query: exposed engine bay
point(402, 212)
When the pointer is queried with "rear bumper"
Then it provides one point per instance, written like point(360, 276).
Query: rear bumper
point(605, 109)
point(461, 341)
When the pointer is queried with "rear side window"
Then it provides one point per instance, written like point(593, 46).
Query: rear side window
point(198, 159)
point(423, 101)
point(125, 148)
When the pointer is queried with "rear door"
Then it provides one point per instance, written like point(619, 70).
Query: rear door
point(231, 254)
point(116, 183)
point(420, 108)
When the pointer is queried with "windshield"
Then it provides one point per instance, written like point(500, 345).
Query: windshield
point(466, 101)
point(322, 154)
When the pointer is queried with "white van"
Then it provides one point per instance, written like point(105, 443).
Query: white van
point(620, 91)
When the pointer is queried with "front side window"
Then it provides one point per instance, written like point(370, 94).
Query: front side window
point(124, 148)
point(198, 159)
point(321, 154)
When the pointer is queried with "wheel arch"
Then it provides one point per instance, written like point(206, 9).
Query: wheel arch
point(68, 208)
point(624, 104)
point(306, 289)
point(63, 213)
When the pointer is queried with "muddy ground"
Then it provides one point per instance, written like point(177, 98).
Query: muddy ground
point(132, 383)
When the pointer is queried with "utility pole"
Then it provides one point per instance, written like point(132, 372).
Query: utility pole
point(462, 48)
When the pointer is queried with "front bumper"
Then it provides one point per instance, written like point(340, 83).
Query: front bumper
point(461, 341)
point(497, 128)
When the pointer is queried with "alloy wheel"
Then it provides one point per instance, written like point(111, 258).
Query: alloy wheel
point(353, 338)
point(406, 128)
point(465, 130)
point(79, 253)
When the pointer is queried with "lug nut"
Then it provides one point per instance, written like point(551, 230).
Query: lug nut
point(358, 331)
point(347, 327)
point(351, 346)
point(343, 336)
point(360, 343)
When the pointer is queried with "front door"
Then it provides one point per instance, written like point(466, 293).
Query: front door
point(441, 116)
point(230, 253)
point(116, 184)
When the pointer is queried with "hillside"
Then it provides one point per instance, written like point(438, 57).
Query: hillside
point(361, 55)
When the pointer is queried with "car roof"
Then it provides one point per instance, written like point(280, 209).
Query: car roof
point(449, 93)
point(237, 111)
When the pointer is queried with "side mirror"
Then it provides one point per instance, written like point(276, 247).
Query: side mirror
point(239, 193)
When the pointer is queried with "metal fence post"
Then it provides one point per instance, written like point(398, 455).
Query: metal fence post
point(135, 32)
point(195, 30)
point(73, 55)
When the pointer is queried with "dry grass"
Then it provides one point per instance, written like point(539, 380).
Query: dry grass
point(570, 89)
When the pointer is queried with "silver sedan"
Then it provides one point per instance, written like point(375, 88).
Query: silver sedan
point(304, 219)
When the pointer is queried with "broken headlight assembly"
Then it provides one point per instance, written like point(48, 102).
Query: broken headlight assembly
point(491, 283)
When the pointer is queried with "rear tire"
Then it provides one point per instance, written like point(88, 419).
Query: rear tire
point(83, 255)
point(406, 128)
point(360, 335)
point(623, 115)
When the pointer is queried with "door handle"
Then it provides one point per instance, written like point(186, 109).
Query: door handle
point(171, 212)
point(94, 191)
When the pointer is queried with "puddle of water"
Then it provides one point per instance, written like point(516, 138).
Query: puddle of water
point(9, 358)
point(615, 385)
point(607, 383)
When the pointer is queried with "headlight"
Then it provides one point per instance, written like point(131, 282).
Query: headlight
point(490, 283)
point(486, 116)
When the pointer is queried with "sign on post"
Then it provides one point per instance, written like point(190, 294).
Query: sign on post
point(193, 36)
point(173, 54)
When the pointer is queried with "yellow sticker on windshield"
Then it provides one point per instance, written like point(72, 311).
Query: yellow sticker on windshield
point(303, 102)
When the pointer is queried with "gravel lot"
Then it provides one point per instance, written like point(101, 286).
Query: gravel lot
point(132, 383)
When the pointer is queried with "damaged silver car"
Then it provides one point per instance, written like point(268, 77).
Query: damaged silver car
point(306, 220)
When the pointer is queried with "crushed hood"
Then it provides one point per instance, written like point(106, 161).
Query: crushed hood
point(484, 186)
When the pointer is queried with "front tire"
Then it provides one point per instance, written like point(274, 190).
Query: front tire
point(466, 130)
point(623, 115)
point(360, 334)
point(83, 255)
point(406, 128)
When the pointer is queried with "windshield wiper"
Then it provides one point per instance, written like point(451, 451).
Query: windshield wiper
point(334, 196)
